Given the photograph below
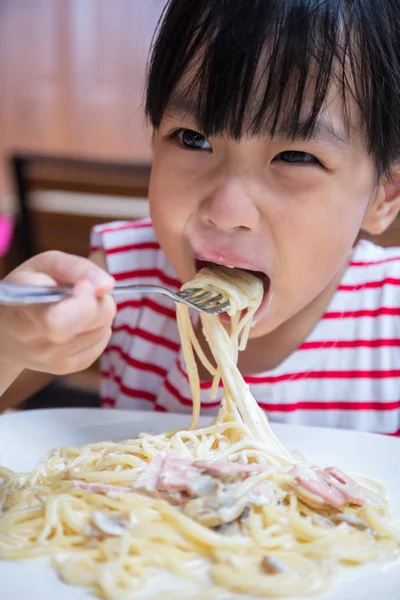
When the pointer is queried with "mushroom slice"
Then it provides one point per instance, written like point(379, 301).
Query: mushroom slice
point(215, 510)
point(111, 525)
point(271, 566)
point(350, 520)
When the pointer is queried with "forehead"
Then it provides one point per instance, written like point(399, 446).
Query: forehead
point(329, 126)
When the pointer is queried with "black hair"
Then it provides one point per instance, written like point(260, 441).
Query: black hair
point(231, 52)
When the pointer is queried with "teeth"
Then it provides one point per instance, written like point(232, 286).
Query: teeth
point(230, 266)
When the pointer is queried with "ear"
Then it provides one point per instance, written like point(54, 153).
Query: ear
point(385, 205)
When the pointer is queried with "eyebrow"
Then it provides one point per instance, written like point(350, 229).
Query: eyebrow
point(324, 131)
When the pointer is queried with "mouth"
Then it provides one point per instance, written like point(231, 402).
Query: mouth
point(266, 281)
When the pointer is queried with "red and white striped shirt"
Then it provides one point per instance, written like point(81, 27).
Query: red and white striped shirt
point(346, 373)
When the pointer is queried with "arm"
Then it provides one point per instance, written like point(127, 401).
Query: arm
point(8, 374)
point(23, 386)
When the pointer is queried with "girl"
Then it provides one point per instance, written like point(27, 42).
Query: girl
point(276, 141)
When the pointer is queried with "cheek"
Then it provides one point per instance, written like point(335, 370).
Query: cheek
point(314, 236)
point(169, 216)
point(164, 200)
point(172, 194)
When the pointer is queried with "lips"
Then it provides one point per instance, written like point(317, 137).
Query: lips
point(200, 264)
point(217, 259)
point(237, 264)
point(228, 259)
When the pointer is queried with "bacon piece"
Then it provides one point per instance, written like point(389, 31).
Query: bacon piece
point(227, 471)
point(328, 488)
point(167, 476)
point(147, 480)
point(100, 488)
point(176, 474)
point(210, 492)
point(182, 475)
point(261, 494)
point(346, 485)
point(311, 487)
point(179, 479)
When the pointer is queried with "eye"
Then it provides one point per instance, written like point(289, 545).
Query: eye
point(297, 157)
point(192, 139)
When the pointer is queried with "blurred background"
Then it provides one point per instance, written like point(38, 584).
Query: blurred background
point(74, 148)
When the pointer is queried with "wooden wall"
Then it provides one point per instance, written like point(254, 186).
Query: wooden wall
point(71, 78)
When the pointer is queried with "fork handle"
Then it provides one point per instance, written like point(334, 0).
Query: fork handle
point(20, 293)
point(16, 294)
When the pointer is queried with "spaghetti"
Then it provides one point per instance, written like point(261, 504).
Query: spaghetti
point(228, 497)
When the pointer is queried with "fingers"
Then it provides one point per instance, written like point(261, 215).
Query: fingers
point(88, 340)
point(83, 312)
point(76, 356)
point(87, 356)
point(30, 277)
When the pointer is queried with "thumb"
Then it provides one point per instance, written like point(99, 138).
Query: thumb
point(65, 268)
point(26, 277)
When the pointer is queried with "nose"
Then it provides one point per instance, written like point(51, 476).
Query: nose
point(231, 207)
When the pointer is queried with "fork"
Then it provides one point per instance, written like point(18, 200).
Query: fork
point(202, 300)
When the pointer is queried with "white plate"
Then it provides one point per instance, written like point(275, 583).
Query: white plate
point(25, 437)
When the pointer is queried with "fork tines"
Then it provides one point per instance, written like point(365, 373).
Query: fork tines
point(205, 300)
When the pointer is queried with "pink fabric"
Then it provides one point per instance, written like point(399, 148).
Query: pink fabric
point(6, 233)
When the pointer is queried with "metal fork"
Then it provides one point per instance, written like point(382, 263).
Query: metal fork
point(204, 301)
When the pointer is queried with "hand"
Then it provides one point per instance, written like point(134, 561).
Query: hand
point(64, 337)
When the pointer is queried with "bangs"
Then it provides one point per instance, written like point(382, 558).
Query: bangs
point(265, 67)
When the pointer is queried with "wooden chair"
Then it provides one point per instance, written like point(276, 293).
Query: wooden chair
point(78, 194)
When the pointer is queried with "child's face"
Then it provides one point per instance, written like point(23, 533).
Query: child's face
point(289, 209)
